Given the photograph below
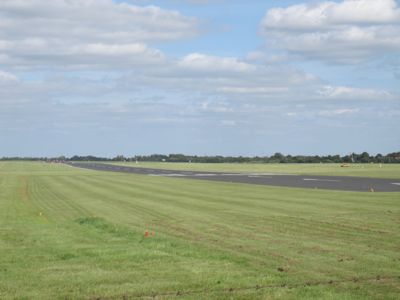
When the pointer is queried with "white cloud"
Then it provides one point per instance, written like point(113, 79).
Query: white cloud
point(338, 112)
point(216, 107)
point(364, 12)
point(6, 77)
point(104, 49)
point(198, 2)
point(309, 17)
point(228, 78)
point(100, 20)
point(350, 31)
point(208, 63)
point(9, 87)
point(343, 92)
point(66, 32)
point(228, 123)
point(260, 90)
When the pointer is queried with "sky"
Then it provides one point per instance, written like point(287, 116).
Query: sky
point(203, 77)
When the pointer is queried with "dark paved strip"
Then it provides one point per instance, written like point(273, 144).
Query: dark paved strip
point(342, 183)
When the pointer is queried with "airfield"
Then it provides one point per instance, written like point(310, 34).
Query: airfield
point(79, 233)
point(341, 183)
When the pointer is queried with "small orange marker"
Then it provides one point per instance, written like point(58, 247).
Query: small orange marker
point(146, 234)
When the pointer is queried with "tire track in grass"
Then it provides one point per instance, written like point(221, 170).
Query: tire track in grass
point(24, 203)
point(3, 195)
point(324, 229)
point(5, 207)
point(232, 290)
point(23, 189)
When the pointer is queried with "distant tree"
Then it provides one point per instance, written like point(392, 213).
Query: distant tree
point(364, 157)
point(119, 158)
point(278, 157)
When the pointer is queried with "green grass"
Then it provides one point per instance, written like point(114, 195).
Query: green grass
point(67, 233)
point(362, 170)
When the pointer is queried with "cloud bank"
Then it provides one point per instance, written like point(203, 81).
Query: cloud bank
point(351, 31)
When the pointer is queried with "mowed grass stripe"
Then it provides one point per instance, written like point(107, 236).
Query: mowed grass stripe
point(47, 205)
point(3, 194)
point(91, 198)
point(110, 202)
point(46, 194)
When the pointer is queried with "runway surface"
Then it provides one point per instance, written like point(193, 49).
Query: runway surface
point(342, 183)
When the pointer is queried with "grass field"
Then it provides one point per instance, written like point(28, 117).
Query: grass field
point(362, 170)
point(68, 233)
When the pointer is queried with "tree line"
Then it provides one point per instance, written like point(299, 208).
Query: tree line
point(363, 157)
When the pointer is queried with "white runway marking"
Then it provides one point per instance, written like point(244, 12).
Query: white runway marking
point(167, 175)
point(255, 174)
point(231, 174)
point(205, 175)
point(271, 174)
point(396, 183)
point(328, 180)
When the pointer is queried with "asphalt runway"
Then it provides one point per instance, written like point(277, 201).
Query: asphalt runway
point(341, 183)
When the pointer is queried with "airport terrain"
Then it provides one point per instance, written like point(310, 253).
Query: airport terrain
point(69, 233)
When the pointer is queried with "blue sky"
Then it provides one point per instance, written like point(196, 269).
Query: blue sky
point(199, 77)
